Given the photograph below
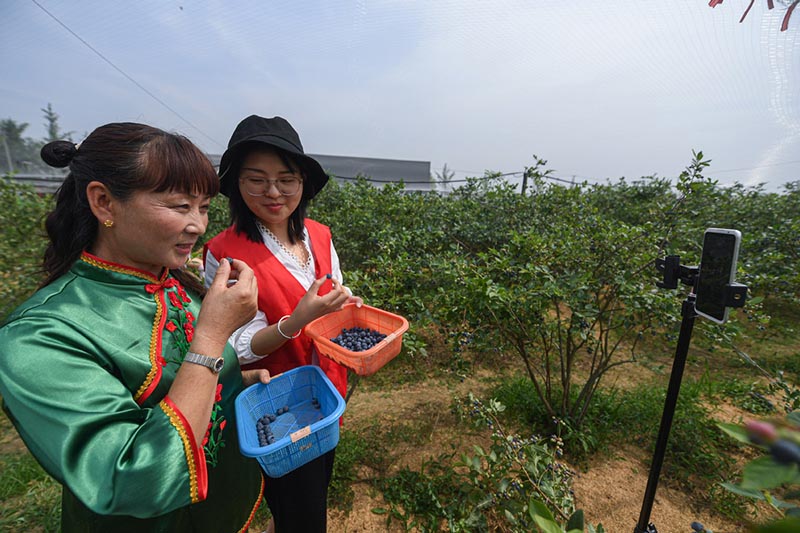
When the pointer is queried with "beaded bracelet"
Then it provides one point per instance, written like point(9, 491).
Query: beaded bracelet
point(284, 335)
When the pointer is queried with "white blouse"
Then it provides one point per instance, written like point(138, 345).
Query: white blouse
point(240, 340)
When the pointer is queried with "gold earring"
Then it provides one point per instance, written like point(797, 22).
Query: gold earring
point(108, 223)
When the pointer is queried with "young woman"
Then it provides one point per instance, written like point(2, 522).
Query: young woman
point(121, 385)
point(269, 181)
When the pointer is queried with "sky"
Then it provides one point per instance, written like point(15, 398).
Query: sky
point(601, 90)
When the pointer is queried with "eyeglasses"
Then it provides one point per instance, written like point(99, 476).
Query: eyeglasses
point(288, 186)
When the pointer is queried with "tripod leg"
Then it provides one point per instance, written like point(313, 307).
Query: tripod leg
point(687, 324)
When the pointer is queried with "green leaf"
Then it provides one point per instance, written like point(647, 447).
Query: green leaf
point(747, 493)
point(765, 473)
point(510, 516)
point(576, 521)
point(547, 525)
point(785, 525)
point(537, 508)
point(736, 431)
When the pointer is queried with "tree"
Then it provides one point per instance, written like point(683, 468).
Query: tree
point(54, 132)
point(445, 176)
point(19, 153)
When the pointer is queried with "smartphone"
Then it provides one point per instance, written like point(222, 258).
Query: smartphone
point(717, 272)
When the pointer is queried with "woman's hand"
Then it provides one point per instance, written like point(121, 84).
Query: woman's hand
point(249, 377)
point(355, 300)
point(231, 301)
point(312, 306)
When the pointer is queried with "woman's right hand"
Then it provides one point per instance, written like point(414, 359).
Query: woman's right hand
point(227, 306)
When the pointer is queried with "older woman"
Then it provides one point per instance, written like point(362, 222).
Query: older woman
point(118, 381)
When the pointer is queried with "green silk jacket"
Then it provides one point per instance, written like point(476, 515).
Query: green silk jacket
point(85, 366)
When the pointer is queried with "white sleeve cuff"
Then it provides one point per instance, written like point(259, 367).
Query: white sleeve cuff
point(240, 340)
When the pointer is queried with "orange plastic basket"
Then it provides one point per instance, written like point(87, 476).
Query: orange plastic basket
point(365, 363)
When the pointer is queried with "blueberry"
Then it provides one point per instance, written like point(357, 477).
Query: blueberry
point(358, 339)
point(785, 452)
point(697, 526)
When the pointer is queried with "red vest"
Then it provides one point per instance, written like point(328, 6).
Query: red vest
point(279, 292)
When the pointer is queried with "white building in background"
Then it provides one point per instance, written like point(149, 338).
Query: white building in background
point(416, 175)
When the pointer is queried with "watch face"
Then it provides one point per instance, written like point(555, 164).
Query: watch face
point(218, 364)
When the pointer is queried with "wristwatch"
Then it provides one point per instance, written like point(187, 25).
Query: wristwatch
point(214, 364)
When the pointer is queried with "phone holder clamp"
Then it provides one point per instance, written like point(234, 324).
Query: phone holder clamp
point(674, 271)
point(735, 295)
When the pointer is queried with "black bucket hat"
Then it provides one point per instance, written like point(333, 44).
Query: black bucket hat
point(275, 132)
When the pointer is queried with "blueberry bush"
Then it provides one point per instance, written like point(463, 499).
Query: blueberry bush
point(561, 279)
point(22, 242)
point(518, 484)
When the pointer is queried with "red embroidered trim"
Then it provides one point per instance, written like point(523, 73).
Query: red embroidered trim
point(117, 267)
point(156, 351)
point(255, 508)
point(195, 457)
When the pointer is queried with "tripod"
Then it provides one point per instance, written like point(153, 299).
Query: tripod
point(674, 272)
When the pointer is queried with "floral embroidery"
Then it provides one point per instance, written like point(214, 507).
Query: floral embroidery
point(184, 296)
point(182, 329)
point(189, 330)
point(173, 299)
point(213, 441)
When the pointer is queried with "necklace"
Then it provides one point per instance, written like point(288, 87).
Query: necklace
point(305, 264)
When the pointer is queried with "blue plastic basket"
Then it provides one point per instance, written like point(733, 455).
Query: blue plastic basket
point(304, 432)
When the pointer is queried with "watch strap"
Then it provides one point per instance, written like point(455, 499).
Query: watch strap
point(212, 363)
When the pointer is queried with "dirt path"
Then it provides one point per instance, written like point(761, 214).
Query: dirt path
point(610, 491)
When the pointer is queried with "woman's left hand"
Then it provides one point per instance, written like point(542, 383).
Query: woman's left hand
point(249, 377)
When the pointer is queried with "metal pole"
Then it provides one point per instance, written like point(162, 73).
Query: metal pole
point(687, 324)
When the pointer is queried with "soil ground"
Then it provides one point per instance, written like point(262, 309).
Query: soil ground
point(610, 489)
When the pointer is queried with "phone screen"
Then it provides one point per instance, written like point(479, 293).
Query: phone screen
point(717, 271)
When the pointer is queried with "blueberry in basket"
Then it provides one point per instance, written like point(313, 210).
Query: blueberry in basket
point(358, 339)
point(263, 430)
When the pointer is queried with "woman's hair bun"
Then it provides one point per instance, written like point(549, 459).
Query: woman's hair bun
point(58, 153)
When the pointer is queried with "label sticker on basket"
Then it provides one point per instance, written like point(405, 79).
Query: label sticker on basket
point(300, 433)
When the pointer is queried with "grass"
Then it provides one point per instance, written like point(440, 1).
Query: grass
point(30, 500)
